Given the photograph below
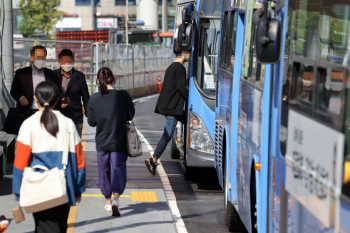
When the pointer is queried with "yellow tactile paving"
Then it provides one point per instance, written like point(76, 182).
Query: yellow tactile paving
point(72, 217)
point(74, 209)
point(100, 195)
point(144, 196)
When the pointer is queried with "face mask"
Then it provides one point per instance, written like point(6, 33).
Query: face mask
point(67, 68)
point(307, 83)
point(337, 86)
point(39, 63)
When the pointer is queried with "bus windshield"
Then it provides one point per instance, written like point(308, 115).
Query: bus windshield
point(207, 55)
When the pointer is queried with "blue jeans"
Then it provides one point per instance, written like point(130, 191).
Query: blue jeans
point(170, 124)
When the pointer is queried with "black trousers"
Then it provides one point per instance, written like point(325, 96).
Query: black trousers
point(53, 220)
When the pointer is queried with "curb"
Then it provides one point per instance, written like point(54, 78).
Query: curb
point(169, 194)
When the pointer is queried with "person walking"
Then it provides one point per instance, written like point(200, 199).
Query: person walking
point(74, 88)
point(41, 142)
point(107, 111)
point(170, 103)
point(26, 79)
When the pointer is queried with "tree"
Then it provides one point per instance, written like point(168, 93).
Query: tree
point(38, 14)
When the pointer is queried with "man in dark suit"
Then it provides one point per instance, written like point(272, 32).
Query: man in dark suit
point(74, 87)
point(27, 78)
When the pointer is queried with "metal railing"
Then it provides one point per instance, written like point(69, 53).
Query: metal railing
point(133, 66)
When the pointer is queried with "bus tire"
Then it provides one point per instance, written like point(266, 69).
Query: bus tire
point(232, 219)
point(174, 151)
point(189, 172)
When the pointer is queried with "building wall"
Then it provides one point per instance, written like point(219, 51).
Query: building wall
point(107, 7)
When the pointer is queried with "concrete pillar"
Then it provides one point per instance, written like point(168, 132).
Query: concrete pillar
point(93, 15)
point(7, 59)
point(165, 16)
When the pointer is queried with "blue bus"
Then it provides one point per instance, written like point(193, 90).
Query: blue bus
point(242, 120)
point(196, 140)
point(282, 136)
point(310, 119)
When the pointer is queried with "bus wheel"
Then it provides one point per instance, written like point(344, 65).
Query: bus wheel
point(232, 219)
point(189, 172)
point(174, 151)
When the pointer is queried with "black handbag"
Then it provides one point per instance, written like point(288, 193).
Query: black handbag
point(15, 118)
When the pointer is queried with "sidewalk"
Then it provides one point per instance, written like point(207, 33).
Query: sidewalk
point(143, 205)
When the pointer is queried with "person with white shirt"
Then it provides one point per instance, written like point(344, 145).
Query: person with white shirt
point(27, 79)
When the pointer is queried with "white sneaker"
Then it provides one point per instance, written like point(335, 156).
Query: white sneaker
point(108, 208)
point(115, 208)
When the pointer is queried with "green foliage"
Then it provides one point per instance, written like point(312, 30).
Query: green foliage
point(305, 22)
point(39, 14)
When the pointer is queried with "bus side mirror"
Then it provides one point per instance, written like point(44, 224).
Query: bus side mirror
point(268, 43)
point(185, 37)
point(189, 13)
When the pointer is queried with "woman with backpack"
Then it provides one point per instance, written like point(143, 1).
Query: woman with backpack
point(108, 111)
point(42, 140)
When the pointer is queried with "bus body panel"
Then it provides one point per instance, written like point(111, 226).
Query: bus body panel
point(197, 105)
point(248, 125)
point(344, 223)
point(232, 169)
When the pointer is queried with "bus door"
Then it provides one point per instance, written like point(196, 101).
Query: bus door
point(178, 140)
point(250, 120)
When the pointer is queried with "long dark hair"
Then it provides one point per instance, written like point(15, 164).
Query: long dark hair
point(47, 96)
point(104, 77)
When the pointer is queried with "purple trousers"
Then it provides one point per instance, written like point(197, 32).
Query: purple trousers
point(112, 172)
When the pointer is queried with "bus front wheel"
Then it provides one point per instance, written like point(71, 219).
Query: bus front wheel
point(174, 151)
point(189, 172)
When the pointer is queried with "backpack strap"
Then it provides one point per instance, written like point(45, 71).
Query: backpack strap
point(67, 134)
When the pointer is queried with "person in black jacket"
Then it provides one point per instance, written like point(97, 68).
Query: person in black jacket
point(74, 88)
point(26, 79)
point(108, 111)
point(170, 103)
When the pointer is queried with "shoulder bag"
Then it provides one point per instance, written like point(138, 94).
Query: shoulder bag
point(15, 118)
point(42, 191)
point(133, 142)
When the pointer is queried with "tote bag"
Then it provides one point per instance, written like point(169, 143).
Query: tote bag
point(133, 142)
point(42, 191)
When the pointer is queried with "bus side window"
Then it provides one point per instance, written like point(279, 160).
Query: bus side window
point(302, 82)
point(284, 110)
point(256, 71)
point(231, 50)
point(223, 61)
point(332, 90)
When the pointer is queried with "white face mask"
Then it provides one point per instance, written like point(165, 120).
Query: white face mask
point(67, 67)
point(337, 86)
point(307, 83)
point(39, 63)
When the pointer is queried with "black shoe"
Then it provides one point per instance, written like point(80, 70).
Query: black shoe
point(152, 167)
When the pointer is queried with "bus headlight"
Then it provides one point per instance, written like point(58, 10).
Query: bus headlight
point(198, 135)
